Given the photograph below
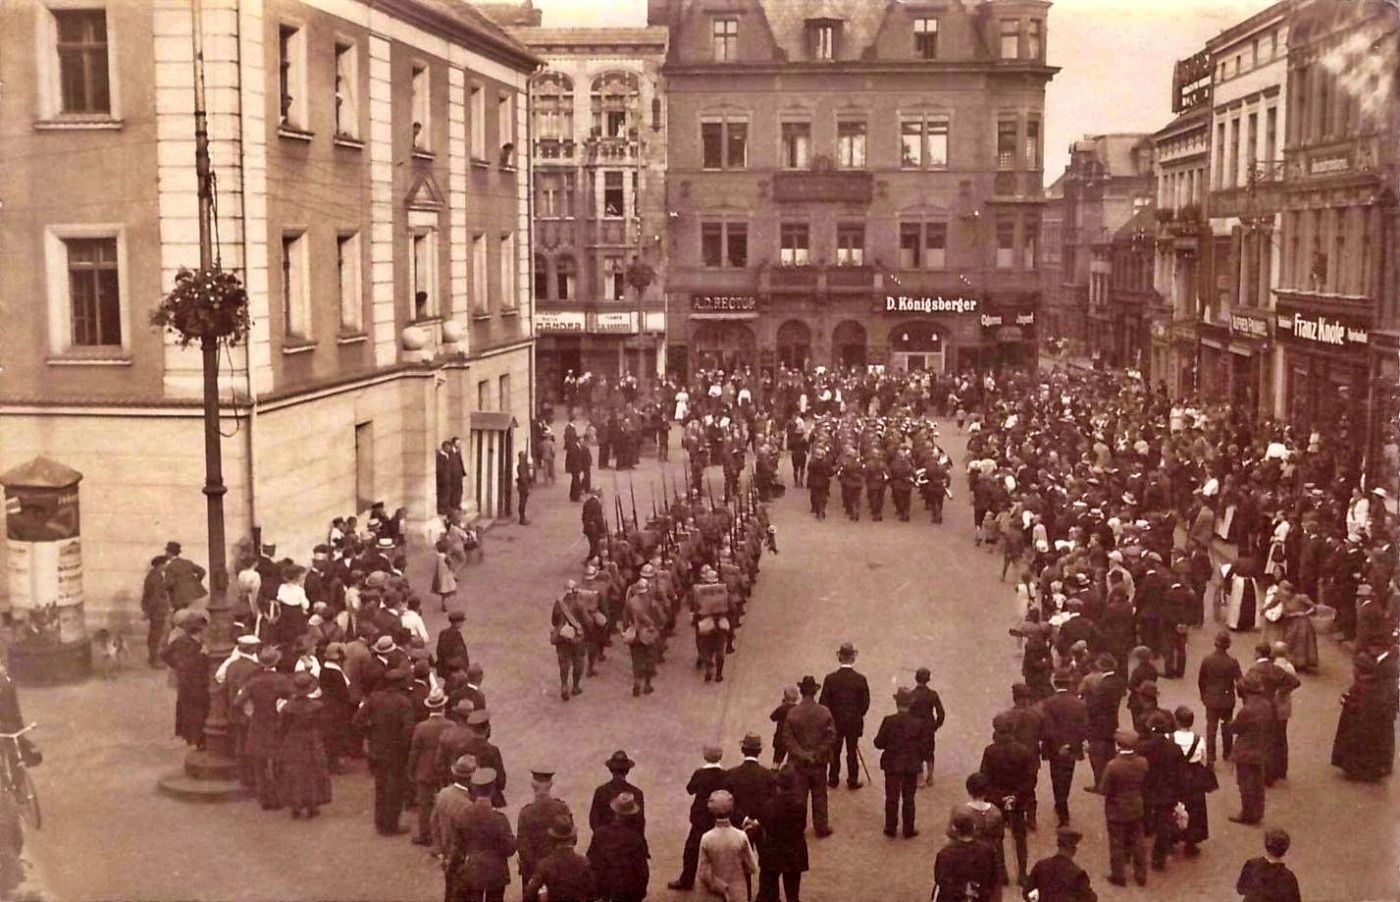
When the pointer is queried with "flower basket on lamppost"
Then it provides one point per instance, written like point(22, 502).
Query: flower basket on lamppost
point(209, 306)
point(639, 277)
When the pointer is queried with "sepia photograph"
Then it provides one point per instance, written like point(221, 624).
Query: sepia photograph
point(699, 450)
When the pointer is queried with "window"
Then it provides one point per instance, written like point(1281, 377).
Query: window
point(1254, 53)
point(541, 278)
point(1031, 230)
point(712, 244)
point(291, 66)
point(1233, 176)
point(1034, 45)
point(296, 288)
point(926, 38)
point(1033, 143)
point(616, 99)
point(911, 245)
point(564, 275)
point(850, 144)
point(479, 297)
point(1270, 133)
point(614, 279)
point(612, 194)
point(347, 90)
point(724, 142)
point(821, 39)
point(724, 244)
point(850, 244)
point(1252, 142)
point(423, 274)
point(1006, 142)
point(94, 293)
point(503, 392)
point(553, 106)
point(935, 245)
point(923, 141)
point(364, 465)
point(505, 126)
point(1273, 44)
point(1010, 39)
point(483, 395)
point(797, 144)
point(1220, 156)
point(83, 76)
point(506, 249)
point(347, 267)
point(795, 244)
point(1006, 244)
point(419, 107)
point(725, 38)
point(478, 117)
point(554, 195)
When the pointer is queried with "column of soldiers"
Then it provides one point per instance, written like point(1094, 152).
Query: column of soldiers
point(693, 559)
point(898, 453)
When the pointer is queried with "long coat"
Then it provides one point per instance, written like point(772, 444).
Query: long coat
point(480, 844)
point(901, 741)
point(784, 847)
point(190, 665)
point(846, 693)
point(259, 699)
point(305, 777)
point(618, 855)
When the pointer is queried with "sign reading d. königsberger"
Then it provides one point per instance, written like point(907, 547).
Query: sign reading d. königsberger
point(929, 305)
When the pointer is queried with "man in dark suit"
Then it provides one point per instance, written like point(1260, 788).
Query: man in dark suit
point(1253, 732)
point(486, 754)
point(1151, 605)
point(442, 467)
point(752, 785)
point(1011, 768)
point(706, 779)
point(901, 743)
point(846, 694)
point(1217, 679)
point(1178, 612)
point(600, 812)
point(1124, 809)
point(422, 762)
point(388, 719)
point(1057, 878)
point(1276, 684)
point(965, 865)
point(594, 524)
point(271, 573)
point(1077, 628)
point(1102, 703)
point(928, 708)
point(1064, 733)
point(451, 645)
point(809, 733)
point(184, 578)
point(456, 472)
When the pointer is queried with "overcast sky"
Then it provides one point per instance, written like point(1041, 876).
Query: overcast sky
point(1115, 56)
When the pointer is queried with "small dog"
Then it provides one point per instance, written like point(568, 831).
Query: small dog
point(109, 653)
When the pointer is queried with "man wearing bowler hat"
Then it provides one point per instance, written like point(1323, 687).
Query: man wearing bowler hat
point(1057, 878)
point(846, 694)
point(600, 812)
point(184, 578)
point(810, 736)
point(753, 786)
point(901, 742)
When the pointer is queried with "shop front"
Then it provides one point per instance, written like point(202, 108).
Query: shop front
point(559, 350)
point(1251, 365)
point(1009, 335)
point(1326, 364)
point(933, 333)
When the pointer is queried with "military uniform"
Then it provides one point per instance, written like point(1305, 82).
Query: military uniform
point(902, 484)
point(875, 477)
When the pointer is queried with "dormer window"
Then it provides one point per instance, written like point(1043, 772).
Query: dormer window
point(822, 38)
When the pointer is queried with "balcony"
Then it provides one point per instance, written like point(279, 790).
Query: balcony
point(851, 278)
point(791, 278)
point(1009, 185)
point(614, 233)
point(612, 150)
point(561, 149)
point(556, 233)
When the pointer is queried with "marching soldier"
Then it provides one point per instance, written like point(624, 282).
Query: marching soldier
point(595, 622)
point(819, 481)
point(568, 634)
point(902, 483)
point(641, 635)
point(711, 624)
point(875, 477)
point(849, 474)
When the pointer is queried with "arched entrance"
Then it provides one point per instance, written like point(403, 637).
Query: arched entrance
point(848, 344)
point(794, 344)
point(917, 346)
point(722, 345)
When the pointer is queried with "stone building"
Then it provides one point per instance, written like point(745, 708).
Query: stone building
point(598, 148)
point(370, 196)
point(853, 183)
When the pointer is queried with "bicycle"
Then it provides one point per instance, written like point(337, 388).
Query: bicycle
point(16, 779)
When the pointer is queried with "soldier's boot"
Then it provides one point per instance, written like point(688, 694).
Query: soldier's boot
point(647, 687)
point(709, 670)
point(564, 691)
point(636, 688)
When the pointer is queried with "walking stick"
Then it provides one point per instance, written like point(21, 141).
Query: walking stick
point(861, 756)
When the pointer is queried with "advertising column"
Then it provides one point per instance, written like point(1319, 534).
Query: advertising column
point(49, 640)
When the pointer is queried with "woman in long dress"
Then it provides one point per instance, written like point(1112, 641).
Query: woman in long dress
point(1195, 781)
point(1242, 594)
point(189, 664)
point(1360, 747)
point(305, 774)
point(1299, 632)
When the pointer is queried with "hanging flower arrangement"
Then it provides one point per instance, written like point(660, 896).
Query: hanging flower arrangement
point(206, 303)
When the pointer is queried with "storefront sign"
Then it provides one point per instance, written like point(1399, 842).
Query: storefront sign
point(614, 323)
point(1322, 330)
point(995, 320)
point(723, 303)
point(1329, 164)
point(1249, 325)
point(559, 322)
point(929, 305)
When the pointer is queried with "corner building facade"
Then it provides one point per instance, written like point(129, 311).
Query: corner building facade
point(852, 183)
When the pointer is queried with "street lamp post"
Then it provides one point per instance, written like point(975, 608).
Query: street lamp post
point(210, 772)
